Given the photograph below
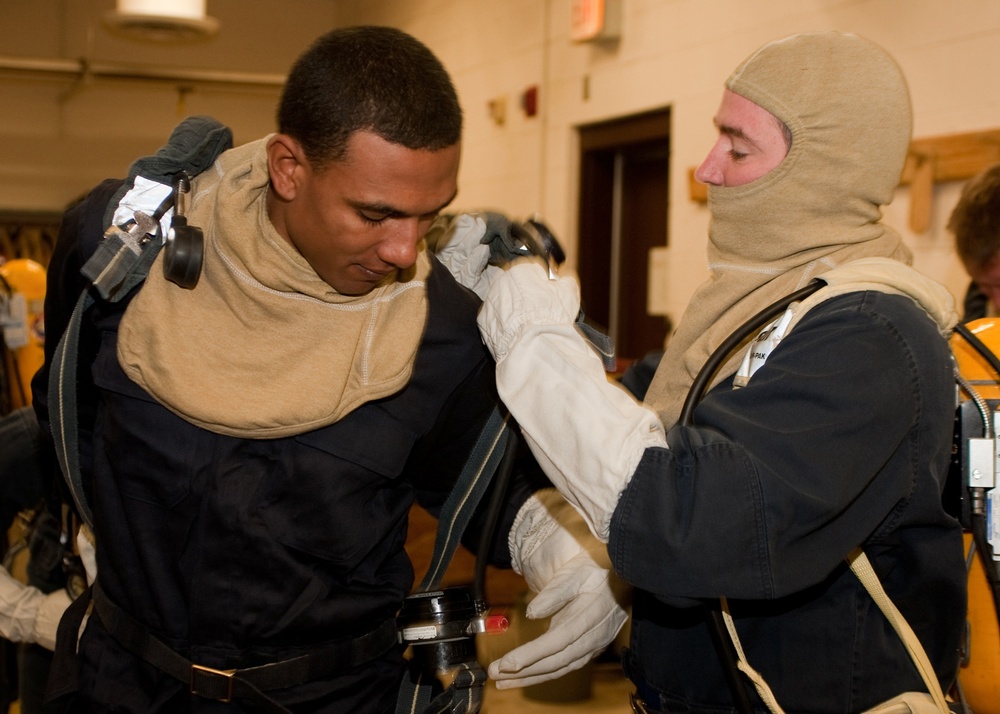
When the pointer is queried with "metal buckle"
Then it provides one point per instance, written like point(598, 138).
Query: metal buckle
point(227, 673)
point(638, 706)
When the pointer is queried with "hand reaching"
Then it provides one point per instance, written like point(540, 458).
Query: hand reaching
point(571, 572)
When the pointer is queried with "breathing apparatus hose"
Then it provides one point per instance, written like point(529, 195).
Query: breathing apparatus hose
point(716, 625)
point(982, 349)
point(734, 340)
point(488, 531)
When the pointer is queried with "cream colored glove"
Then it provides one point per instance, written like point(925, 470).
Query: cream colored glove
point(50, 611)
point(27, 614)
point(560, 560)
point(586, 433)
point(459, 247)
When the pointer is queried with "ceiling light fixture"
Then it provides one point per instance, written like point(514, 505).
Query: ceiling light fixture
point(161, 20)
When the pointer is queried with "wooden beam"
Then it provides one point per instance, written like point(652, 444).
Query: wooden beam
point(955, 157)
point(952, 157)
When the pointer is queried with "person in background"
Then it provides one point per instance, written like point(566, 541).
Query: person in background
point(29, 497)
point(830, 432)
point(251, 443)
point(975, 223)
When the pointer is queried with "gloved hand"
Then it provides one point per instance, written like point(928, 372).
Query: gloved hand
point(560, 560)
point(50, 611)
point(458, 245)
point(529, 298)
point(587, 434)
point(27, 614)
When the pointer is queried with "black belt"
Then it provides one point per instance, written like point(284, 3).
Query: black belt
point(645, 700)
point(639, 706)
point(249, 682)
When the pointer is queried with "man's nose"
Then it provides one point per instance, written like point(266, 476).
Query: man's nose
point(399, 248)
point(710, 171)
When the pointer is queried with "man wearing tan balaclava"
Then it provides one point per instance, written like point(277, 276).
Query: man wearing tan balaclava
point(829, 432)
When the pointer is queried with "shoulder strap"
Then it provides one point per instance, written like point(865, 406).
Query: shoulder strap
point(465, 496)
point(120, 262)
point(862, 568)
point(866, 574)
point(759, 683)
point(464, 695)
point(193, 146)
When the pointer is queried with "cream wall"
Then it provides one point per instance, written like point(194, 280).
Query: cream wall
point(59, 137)
point(61, 134)
point(677, 53)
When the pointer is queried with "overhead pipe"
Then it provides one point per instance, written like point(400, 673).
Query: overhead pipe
point(82, 69)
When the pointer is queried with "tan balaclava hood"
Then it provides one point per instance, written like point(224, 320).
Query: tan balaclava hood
point(262, 347)
point(848, 108)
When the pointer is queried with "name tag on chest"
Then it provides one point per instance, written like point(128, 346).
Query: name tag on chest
point(761, 348)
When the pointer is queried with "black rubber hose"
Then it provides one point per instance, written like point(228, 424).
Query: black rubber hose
point(716, 625)
point(982, 349)
point(487, 533)
point(734, 340)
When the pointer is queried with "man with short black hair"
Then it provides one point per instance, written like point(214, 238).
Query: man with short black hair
point(255, 430)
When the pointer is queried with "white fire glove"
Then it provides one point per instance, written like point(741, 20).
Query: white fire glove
point(27, 614)
point(461, 250)
point(587, 434)
point(552, 548)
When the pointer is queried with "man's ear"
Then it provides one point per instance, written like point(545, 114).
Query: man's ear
point(286, 165)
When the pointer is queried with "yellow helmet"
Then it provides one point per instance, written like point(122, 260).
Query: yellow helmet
point(22, 302)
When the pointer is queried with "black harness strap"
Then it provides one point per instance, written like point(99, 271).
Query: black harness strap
point(464, 695)
point(120, 262)
point(472, 483)
point(63, 673)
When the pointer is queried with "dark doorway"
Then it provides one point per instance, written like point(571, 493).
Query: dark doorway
point(624, 169)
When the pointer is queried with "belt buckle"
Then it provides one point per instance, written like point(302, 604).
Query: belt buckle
point(226, 673)
point(638, 706)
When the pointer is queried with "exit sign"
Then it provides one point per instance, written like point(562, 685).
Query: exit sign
point(595, 20)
